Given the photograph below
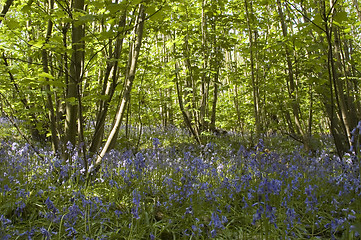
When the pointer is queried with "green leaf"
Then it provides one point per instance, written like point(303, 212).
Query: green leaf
point(13, 24)
point(59, 84)
point(341, 17)
point(46, 75)
point(71, 101)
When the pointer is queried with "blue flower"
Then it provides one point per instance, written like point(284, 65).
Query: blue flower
point(71, 231)
point(213, 233)
point(135, 212)
point(51, 206)
point(118, 213)
point(215, 220)
point(21, 205)
point(189, 210)
point(6, 188)
point(258, 215)
point(136, 197)
point(156, 142)
point(46, 233)
point(291, 216)
point(4, 220)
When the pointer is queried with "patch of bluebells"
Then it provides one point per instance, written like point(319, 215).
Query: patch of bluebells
point(245, 187)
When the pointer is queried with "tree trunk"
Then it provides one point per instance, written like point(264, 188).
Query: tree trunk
point(249, 12)
point(50, 105)
point(291, 81)
point(107, 90)
point(129, 78)
point(214, 103)
point(76, 67)
point(205, 78)
point(336, 88)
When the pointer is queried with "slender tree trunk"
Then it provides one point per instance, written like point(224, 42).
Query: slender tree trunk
point(291, 80)
point(108, 90)
point(214, 103)
point(129, 78)
point(336, 88)
point(76, 67)
point(50, 105)
point(358, 10)
point(184, 113)
point(35, 133)
point(349, 117)
point(249, 13)
point(205, 77)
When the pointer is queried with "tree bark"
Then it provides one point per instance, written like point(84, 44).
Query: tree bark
point(129, 78)
point(255, 89)
point(292, 85)
point(108, 90)
point(50, 105)
point(76, 67)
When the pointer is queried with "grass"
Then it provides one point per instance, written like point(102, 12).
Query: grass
point(171, 189)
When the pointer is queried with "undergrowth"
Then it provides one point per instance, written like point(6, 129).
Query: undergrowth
point(175, 190)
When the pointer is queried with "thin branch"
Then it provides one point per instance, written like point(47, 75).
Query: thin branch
point(5, 9)
point(305, 16)
point(17, 127)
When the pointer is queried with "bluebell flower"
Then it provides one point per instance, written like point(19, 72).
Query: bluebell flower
point(139, 162)
point(151, 236)
point(359, 125)
point(135, 212)
point(50, 205)
point(189, 210)
point(20, 207)
point(69, 146)
point(136, 197)
point(258, 215)
point(308, 190)
point(156, 142)
point(6, 188)
point(40, 193)
point(4, 220)
point(311, 199)
point(215, 221)
point(213, 233)
point(71, 231)
point(74, 213)
point(46, 234)
point(118, 213)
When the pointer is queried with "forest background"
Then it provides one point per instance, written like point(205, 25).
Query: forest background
point(75, 71)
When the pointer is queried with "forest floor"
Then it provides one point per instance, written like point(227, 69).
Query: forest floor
point(161, 186)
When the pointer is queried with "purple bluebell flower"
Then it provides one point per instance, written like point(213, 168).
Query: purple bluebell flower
point(46, 234)
point(71, 231)
point(135, 212)
point(6, 188)
point(50, 205)
point(136, 197)
point(4, 220)
point(189, 210)
point(216, 221)
point(20, 207)
point(156, 142)
point(213, 233)
point(258, 215)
